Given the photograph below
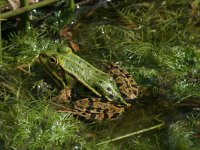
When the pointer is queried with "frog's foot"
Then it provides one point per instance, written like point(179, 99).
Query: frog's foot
point(95, 109)
point(64, 96)
point(125, 82)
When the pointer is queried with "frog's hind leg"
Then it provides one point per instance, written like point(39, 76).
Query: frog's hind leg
point(95, 109)
point(125, 82)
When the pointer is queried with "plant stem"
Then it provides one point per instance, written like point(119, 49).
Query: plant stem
point(134, 133)
point(26, 8)
point(71, 5)
point(0, 42)
point(25, 16)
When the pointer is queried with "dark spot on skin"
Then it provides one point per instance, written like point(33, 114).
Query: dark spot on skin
point(111, 81)
point(89, 99)
point(98, 110)
point(84, 114)
point(72, 106)
point(125, 96)
point(106, 116)
point(115, 115)
point(88, 109)
point(81, 107)
point(106, 111)
point(103, 99)
point(108, 89)
point(135, 92)
point(135, 86)
point(96, 88)
point(110, 96)
point(79, 62)
point(119, 100)
point(93, 116)
point(113, 66)
point(119, 84)
point(90, 103)
point(116, 105)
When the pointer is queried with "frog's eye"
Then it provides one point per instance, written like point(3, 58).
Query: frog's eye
point(53, 60)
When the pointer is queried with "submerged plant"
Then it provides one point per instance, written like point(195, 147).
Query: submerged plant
point(181, 135)
point(30, 123)
point(156, 42)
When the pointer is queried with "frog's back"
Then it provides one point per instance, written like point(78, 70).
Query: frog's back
point(94, 79)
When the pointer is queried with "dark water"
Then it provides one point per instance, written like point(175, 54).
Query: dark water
point(139, 116)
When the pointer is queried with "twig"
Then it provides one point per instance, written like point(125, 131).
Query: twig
point(85, 2)
point(26, 9)
point(134, 133)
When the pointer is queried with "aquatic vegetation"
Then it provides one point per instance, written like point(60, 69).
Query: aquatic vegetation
point(157, 42)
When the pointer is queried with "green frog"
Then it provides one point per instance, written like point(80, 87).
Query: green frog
point(114, 90)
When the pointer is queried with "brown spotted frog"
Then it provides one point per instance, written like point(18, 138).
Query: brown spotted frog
point(114, 90)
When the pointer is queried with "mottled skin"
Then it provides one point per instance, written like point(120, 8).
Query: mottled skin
point(114, 91)
point(125, 82)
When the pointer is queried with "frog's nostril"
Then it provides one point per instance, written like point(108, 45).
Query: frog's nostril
point(43, 55)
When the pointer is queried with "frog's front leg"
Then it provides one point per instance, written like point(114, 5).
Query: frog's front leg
point(94, 109)
point(64, 96)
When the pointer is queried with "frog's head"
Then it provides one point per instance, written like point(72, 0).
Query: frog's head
point(52, 62)
point(64, 50)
